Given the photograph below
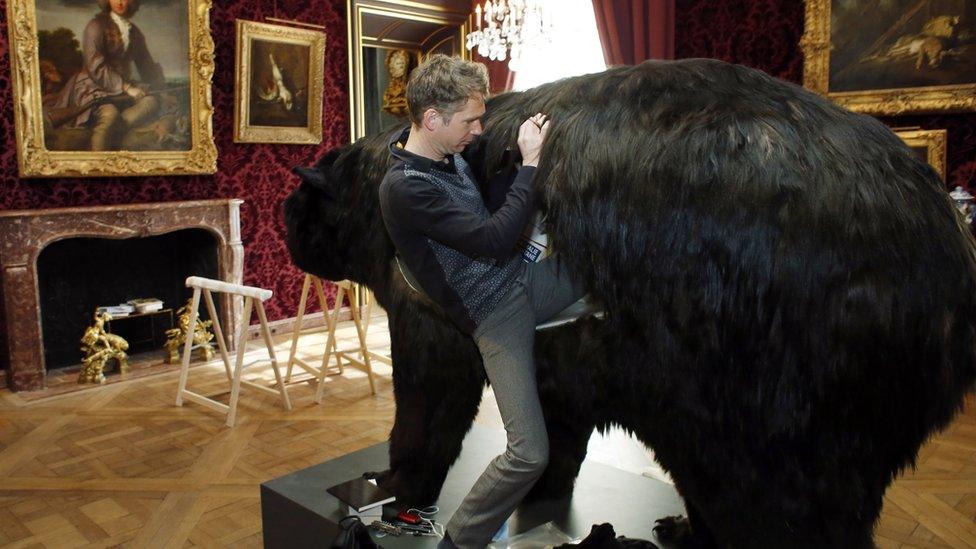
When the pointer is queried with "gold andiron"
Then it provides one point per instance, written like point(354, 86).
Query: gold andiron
point(202, 336)
point(99, 347)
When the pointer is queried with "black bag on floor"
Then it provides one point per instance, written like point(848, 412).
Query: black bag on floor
point(353, 534)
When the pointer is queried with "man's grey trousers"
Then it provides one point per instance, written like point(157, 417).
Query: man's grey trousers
point(506, 340)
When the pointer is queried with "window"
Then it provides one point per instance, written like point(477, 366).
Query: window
point(574, 49)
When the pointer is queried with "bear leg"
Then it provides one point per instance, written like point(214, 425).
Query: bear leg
point(685, 532)
point(428, 429)
point(567, 450)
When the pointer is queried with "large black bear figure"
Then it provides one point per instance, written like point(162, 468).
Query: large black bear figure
point(790, 297)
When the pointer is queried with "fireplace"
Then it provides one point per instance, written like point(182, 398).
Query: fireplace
point(172, 226)
point(76, 275)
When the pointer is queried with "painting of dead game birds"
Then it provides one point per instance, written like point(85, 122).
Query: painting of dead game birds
point(893, 56)
point(279, 84)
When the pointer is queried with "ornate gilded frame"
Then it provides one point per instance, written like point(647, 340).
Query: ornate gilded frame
point(440, 13)
point(934, 142)
point(35, 160)
point(816, 74)
point(315, 41)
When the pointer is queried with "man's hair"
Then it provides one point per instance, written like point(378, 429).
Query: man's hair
point(133, 7)
point(445, 84)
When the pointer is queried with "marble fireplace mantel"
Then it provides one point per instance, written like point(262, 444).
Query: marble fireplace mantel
point(24, 233)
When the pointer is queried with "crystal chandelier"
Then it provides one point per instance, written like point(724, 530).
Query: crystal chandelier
point(506, 28)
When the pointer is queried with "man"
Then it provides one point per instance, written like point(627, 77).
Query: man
point(464, 257)
point(111, 43)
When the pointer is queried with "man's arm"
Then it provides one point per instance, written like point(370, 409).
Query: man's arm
point(425, 208)
point(417, 204)
point(96, 64)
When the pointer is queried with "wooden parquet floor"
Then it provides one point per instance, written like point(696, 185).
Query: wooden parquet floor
point(120, 465)
point(935, 505)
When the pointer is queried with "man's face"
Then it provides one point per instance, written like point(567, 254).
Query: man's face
point(119, 7)
point(398, 64)
point(463, 127)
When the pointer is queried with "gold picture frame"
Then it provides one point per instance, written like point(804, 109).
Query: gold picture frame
point(278, 98)
point(904, 60)
point(929, 145)
point(176, 135)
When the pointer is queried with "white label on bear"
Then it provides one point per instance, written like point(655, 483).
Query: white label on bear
point(534, 243)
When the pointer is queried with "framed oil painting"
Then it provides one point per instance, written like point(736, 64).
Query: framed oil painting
point(278, 91)
point(112, 87)
point(928, 145)
point(891, 57)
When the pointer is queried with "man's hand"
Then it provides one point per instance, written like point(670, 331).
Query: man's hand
point(532, 134)
point(135, 91)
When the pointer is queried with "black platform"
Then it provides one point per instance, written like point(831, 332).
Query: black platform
point(296, 510)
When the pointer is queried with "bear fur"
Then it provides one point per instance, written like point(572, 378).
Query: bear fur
point(790, 297)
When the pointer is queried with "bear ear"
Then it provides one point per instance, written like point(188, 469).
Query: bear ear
point(314, 177)
point(330, 158)
point(310, 175)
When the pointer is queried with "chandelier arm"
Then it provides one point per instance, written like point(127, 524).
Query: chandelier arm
point(506, 28)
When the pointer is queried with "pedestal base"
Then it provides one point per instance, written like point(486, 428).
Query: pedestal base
point(297, 511)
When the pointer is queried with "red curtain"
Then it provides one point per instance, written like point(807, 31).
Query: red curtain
point(499, 77)
point(634, 30)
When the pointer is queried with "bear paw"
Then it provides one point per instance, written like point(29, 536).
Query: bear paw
point(673, 529)
point(676, 532)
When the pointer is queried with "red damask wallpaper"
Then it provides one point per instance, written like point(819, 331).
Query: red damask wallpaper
point(765, 34)
point(259, 174)
point(759, 33)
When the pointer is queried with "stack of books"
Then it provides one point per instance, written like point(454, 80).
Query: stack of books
point(363, 498)
point(117, 310)
point(146, 304)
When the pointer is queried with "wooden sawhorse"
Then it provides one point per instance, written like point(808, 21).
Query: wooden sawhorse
point(251, 295)
point(359, 357)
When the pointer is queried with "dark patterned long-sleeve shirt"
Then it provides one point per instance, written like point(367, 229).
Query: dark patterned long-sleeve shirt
point(463, 256)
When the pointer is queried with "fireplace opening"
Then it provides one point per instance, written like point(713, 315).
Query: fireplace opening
point(78, 275)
